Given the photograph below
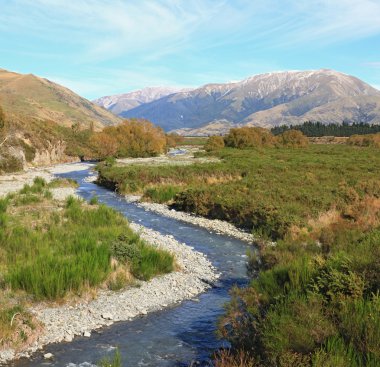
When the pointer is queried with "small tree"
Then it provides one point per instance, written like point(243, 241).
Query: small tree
point(105, 145)
point(293, 138)
point(214, 143)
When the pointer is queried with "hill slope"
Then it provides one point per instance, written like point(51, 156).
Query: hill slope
point(44, 123)
point(28, 96)
point(267, 100)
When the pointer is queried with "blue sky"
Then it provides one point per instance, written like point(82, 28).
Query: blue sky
point(103, 47)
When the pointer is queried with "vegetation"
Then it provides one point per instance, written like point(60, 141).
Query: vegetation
point(273, 191)
point(293, 139)
point(173, 139)
point(132, 138)
point(214, 143)
point(52, 250)
point(314, 300)
point(310, 128)
point(115, 361)
point(249, 137)
point(21, 136)
point(193, 140)
point(372, 140)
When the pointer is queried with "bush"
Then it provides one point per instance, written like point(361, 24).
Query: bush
point(10, 163)
point(132, 138)
point(94, 200)
point(145, 261)
point(365, 140)
point(249, 137)
point(161, 194)
point(293, 139)
point(214, 143)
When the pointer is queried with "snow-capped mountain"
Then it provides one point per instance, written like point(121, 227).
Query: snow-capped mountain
point(120, 103)
point(270, 99)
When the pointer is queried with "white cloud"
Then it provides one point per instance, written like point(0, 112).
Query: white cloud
point(105, 30)
point(129, 41)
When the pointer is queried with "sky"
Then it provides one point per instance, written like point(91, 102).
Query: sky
point(105, 47)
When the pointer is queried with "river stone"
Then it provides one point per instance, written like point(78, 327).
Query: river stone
point(48, 356)
point(107, 316)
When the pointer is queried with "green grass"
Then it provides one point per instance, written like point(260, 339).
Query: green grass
point(114, 361)
point(268, 190)
point(49, 253)
point(315, 300)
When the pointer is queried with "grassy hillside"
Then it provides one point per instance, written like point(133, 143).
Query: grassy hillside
point(28, 96)
point(314, 295)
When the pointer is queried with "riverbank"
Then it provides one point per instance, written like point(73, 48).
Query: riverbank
point(14, 182)
point(212, 225)
point(62, 323)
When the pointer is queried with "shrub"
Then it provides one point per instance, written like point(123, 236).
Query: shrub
point(145, 261)
point(132, 138)
point(161, 194)
point(365, 140)
point(214, 143)
point(249, 137)
point(293, 139)
point(94, 200)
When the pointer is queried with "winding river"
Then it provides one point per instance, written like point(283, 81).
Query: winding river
point(175, 336)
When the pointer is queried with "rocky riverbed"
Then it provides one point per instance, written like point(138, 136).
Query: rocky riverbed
point(213, 225)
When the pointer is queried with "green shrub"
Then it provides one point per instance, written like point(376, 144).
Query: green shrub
point(144, 260)
point(115, 361)
point(94, 200)
point(161, 194)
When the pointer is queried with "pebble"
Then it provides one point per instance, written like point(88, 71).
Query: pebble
point(213, 225)
point(48, 356)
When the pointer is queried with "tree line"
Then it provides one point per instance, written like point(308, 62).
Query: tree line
point(310, 128)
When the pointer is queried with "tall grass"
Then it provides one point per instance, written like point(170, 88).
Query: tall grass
point(70, 250)
point(114, 361)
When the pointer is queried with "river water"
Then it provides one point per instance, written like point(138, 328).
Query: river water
point(176, 336)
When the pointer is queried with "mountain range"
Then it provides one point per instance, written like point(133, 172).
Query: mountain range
point(266, 100)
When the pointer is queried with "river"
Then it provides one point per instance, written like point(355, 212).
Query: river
point(175, 336)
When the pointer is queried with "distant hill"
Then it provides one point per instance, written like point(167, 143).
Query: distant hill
point(120, 103)
point(44, 122)
point(28, 96)
point(267, 100)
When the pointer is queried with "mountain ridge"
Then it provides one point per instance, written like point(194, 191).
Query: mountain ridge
point(270, 99)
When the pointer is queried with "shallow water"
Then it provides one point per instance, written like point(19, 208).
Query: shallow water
point(176, 336)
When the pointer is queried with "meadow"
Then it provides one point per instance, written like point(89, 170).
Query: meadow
point(53, 251)
point(314, 295)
